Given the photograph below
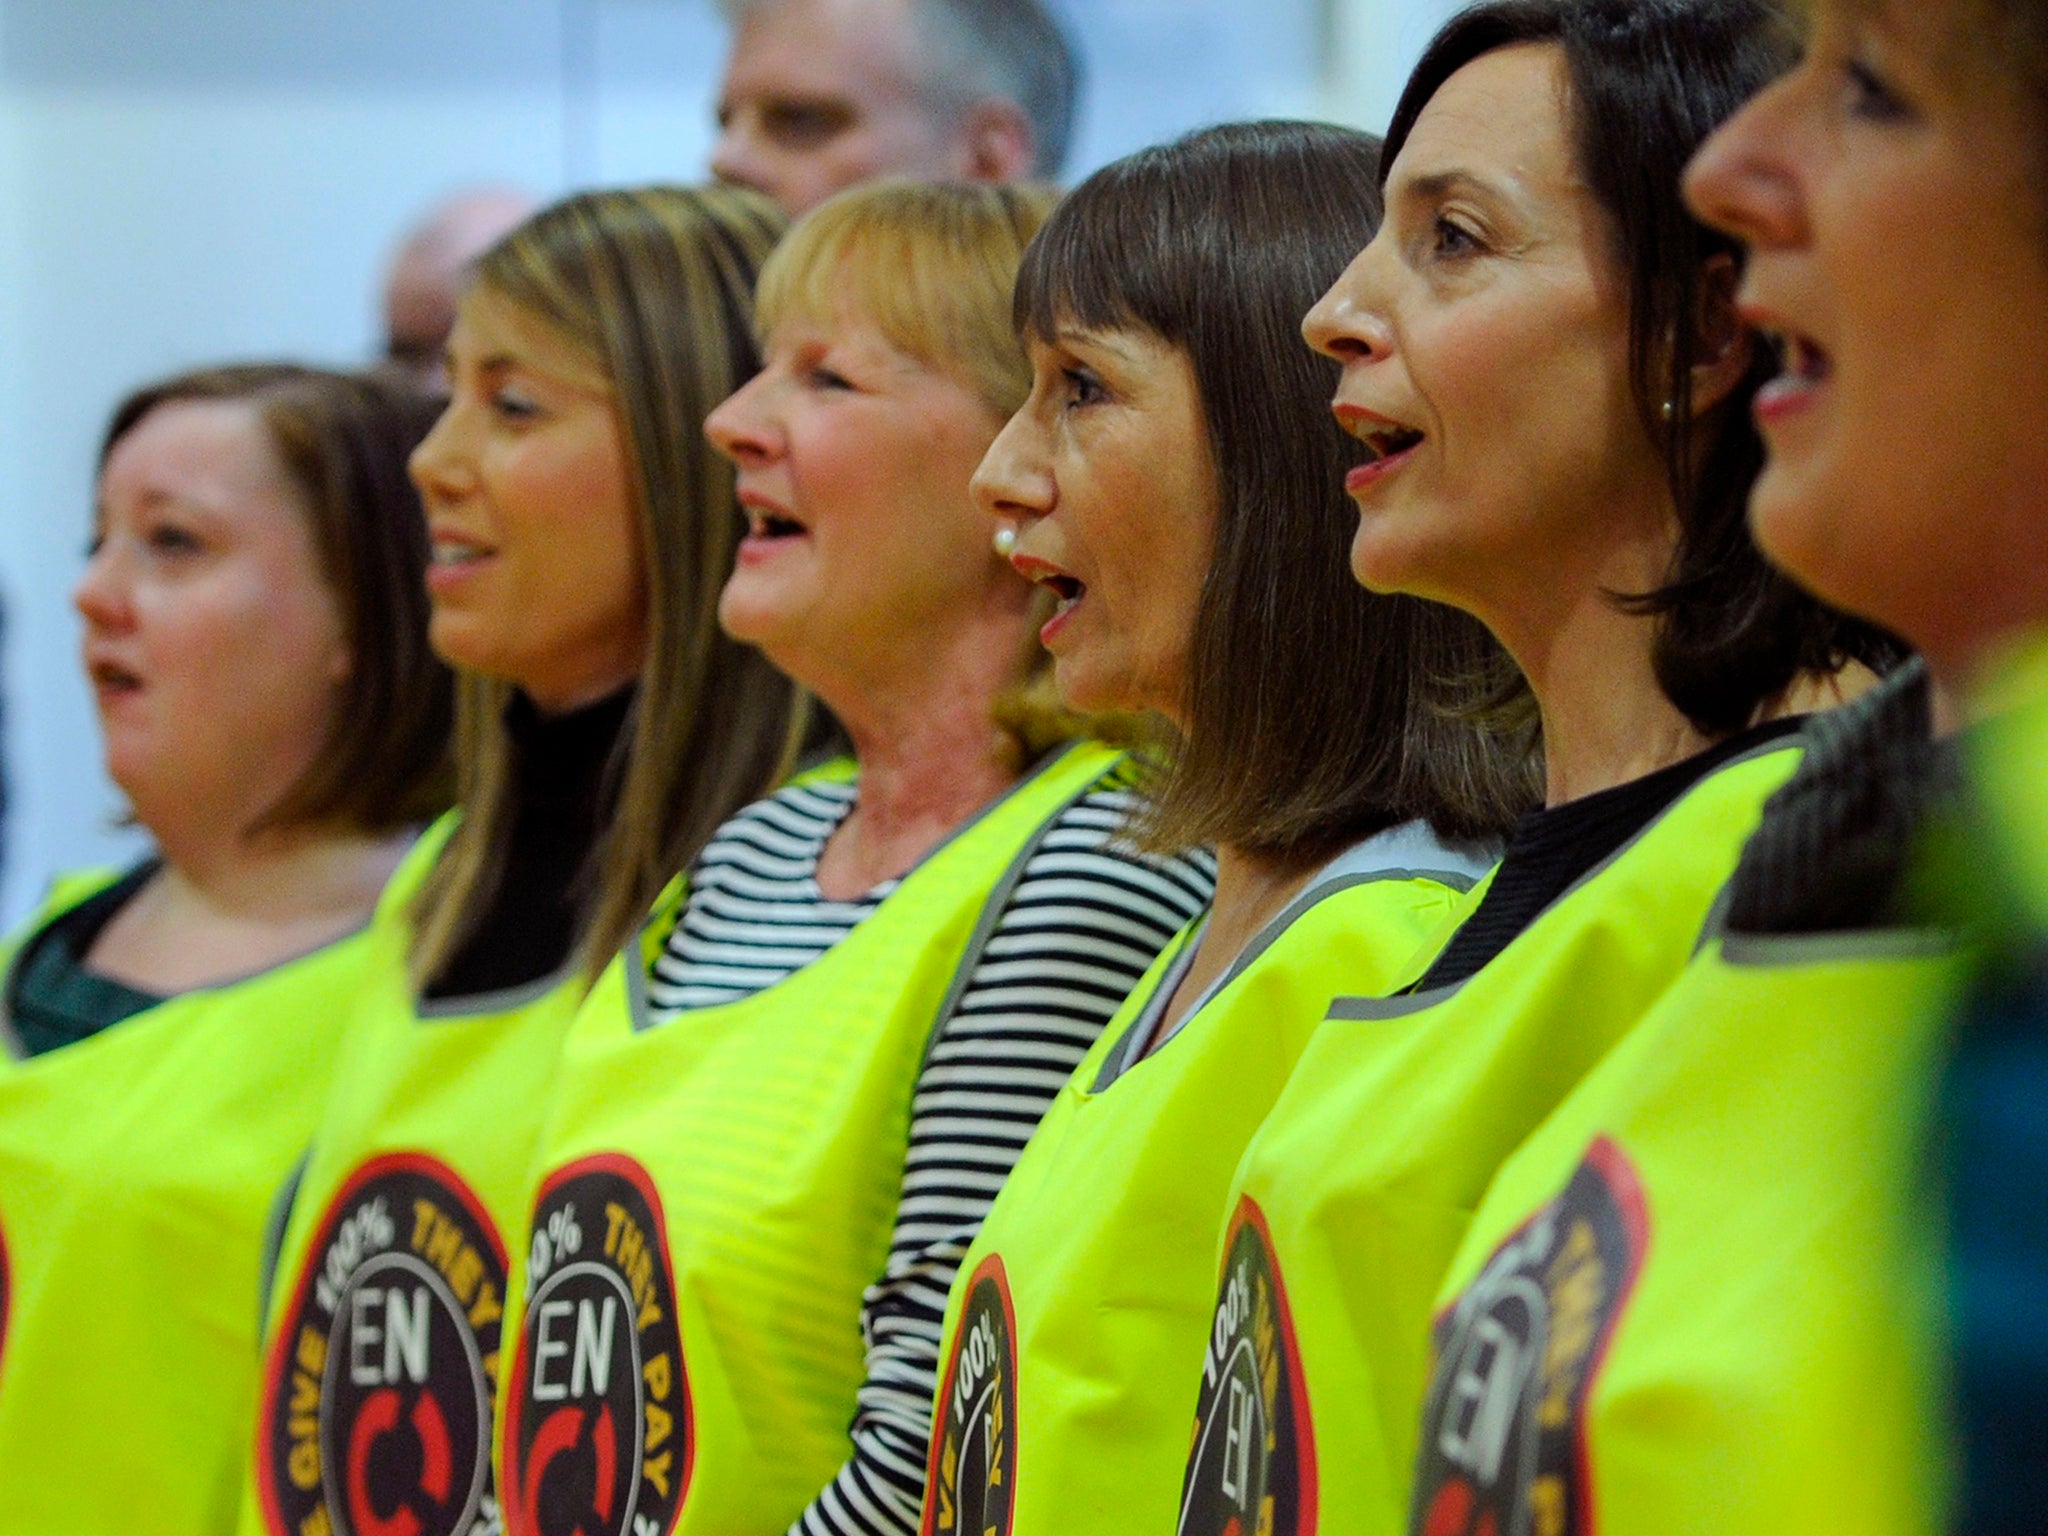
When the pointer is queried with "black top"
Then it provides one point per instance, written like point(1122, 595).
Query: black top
point(564, 788)
point(56, 1001)
point(1838, 842)
point(1552, 849)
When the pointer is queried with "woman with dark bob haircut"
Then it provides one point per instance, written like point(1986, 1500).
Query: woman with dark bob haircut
point(256, 643)
point(1764, 1359)
point(1175, 483)
point(1549, 387)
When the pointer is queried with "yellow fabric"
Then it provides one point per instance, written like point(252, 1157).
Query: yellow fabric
point(387, 1306)
point(2008, 754)
point(715, 1192)
point(1678, 1312)
point(1108, 1297)
point(137, 1172)
point(1355, 1194)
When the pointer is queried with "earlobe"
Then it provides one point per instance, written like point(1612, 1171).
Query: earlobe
point(1000, 144)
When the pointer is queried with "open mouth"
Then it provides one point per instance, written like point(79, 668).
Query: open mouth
point(770, 526)
point(448, 552)
point(1068, 589)
point(1800, 359)
point(109, 677)
point(1803, 368)
point(1385, 442)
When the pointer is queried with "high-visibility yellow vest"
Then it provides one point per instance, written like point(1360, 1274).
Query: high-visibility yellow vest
point(386, 1312)
point(1354, 1196)
point(714, 1192)
point(1063, 1399)
point(137, 1173)
point(1678, 1311)
point(2008, 765)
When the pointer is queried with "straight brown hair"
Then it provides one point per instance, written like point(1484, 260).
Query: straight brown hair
point(655, 285)
point(1311, 722)
point(343, 440)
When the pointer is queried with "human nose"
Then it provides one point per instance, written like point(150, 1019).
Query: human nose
point(1014, 481)
point(736, 157)
point(1346, 323)
point(442, 466)
point(742, 428)
point(1744, 180)
point(102, 596)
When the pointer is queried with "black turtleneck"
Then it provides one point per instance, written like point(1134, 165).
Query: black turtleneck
point(1552, 849)
point(562, 787)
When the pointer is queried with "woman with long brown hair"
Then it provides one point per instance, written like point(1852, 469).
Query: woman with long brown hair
point(580, 532)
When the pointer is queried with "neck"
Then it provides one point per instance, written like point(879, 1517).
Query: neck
point(929, 750)
point(1606, 719)
point(1251, 890)
point(281, 876)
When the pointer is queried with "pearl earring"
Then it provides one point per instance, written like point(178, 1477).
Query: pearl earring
point(1006, 540)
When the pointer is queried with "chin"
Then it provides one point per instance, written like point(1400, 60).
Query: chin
point(1791, 523)
point(1382, 563)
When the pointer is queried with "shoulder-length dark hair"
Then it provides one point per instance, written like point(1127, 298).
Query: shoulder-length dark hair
point(1649, 81)
point(1309, 721)
point(343, 440)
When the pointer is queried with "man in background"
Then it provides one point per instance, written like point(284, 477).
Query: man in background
point(429, 271)
point(819, 95)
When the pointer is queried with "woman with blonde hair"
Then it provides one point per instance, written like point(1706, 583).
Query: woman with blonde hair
point(580, 534)
point(778, 1125)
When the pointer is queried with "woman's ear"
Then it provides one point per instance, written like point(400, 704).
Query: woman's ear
point(1726, 346)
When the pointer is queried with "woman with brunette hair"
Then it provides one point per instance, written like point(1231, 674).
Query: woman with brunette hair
point(580, 533)
point(1751, 1354)
point(1174, 481)
point(255, 637)
point(778, 1121)
point(1542, 362)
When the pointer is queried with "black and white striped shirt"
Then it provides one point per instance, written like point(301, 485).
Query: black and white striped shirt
point(1083, 923)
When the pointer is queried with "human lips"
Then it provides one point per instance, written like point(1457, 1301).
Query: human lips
point(453, 556)
point(1064, 585)
point(1805, 367)
point(112, 678)
point(770, 527)
point(1389, 443)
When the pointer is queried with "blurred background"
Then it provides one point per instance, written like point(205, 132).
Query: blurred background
point(191, 182)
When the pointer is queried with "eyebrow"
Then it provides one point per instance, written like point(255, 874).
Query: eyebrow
point(1101, 340)
point(1438, 185)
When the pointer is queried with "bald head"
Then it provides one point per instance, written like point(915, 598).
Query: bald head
point(431, 267)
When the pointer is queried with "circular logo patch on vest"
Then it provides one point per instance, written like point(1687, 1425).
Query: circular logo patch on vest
point(1252, 1466)
point(1503, 1430)
point(377, 1398)
point(974, 1454)
point(597, 1429)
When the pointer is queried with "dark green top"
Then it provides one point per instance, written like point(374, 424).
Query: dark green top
point(55, 1000)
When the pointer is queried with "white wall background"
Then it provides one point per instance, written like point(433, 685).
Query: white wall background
point(185, 181)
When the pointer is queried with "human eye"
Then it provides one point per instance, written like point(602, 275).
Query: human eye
point(804, 123)
point(820, 377)
point(1450, 239)
point(1081, 387)
point(1867, 95)
point(170, 538)
point(514, 406)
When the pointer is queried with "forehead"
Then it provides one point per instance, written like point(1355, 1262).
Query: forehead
point(214, 440)
point(490, 329)
point(849, 48)
point(1503, 118)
